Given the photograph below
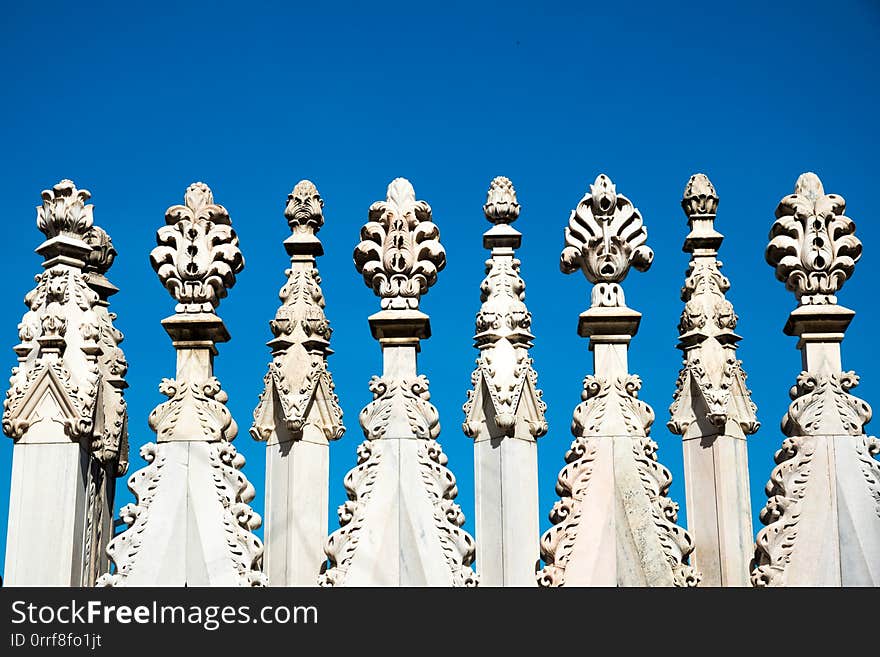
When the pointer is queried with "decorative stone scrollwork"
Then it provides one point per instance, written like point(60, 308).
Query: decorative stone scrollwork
point(400, 252)
point(194, 411)
point(812, 243)
point(198, 255)
point(785, 490)
point(823, 405)
point(359, 482)
point(604, 238)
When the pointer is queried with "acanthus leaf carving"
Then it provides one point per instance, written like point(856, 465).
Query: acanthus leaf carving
point(812, 246)
point(64, 211)
point(400, 253)
point(304, 211)
point(197, 256)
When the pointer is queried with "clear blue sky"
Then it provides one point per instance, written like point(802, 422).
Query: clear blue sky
point(136, 101)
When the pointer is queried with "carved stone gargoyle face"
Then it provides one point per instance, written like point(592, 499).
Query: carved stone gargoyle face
point(607, 259)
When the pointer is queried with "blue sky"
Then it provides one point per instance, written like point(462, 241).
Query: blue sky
point(136, 101)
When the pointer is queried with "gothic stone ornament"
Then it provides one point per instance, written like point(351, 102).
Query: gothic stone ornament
point(298, 412)
point(613, 523)
point(401, 525)
point(400, 252)
point(712, 408)
point(191, 524)
point(65, 396)
point(64, 211)
point(198, 255)
point(823, 510)
point(812, 245)
point(604, 238)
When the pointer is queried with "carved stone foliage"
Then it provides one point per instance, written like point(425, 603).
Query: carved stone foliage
point(197, 256)
point(712, 382)
point(812, 243)
point(400, 252)
point(69, 348)
point(607, 406)
point(401, 398)
point(304, 209)
point(244, 550)
point(64, 211)
point(604, 238)
point(700, 197)
point(501, 206)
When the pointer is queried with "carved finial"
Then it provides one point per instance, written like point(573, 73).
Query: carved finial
point(64, 211)
point(812, 245)
point(198, 255)
point(699, 197)
point(304, 208)
point(501, 206)
point(400, 252)
point(604, 238)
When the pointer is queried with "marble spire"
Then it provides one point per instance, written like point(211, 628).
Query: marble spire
point(712, 408)
point(65, 408)
point(401, 525)
point(823, 509)
point(191, 524)
point(504, 413)
point(613, 524)
point(298, 412)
